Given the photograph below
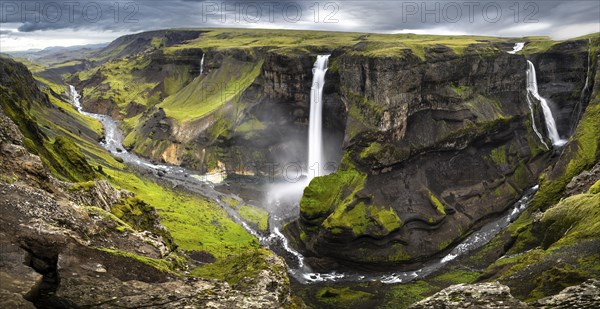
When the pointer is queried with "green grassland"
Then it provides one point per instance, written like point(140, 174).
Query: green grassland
point(286, 41)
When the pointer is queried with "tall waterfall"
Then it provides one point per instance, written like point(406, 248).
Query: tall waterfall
point(202, 64)
point(532, 89)
point(315, 128)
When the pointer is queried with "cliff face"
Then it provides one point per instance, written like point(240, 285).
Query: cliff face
point(561, 73)
point(432, 148)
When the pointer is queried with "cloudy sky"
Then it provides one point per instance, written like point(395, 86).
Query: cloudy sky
point(38, 24)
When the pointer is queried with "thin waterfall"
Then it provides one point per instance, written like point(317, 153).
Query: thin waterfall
point(532, 89)
point(584, 92)
point(315, 128)
point(202, 64)
point(517, 48)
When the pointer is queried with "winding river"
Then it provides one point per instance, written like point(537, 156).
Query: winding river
point(276, 241)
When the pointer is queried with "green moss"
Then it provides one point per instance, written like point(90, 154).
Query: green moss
point(250, 129)
point(401, 296)
point(342, 296)
point(484, 107)
point(520, 175)
point(373, 149)
point(239, 265)
point(160, 264)
point(457, 277)
point(516, 263)
point(121, 84)
point(119, 225)
point(537, 45)
point(85, 186)
point(463, 91)
point(437, 203)
point(325, 193)
point(9, 178)
point(30, 145)
point(362, 219)
point(142, 217)
point(303, 236)
point(555, 279)
point(498, 155)
point(362, 110)
point(231, 202)
point(256, 216)
point(73, 160)
point(574, 219)
point(595, 188)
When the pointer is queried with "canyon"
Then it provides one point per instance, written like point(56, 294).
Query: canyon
point(425, 140)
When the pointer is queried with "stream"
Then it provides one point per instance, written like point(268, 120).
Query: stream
point(291, 193)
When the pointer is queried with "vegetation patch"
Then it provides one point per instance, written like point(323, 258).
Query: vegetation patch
point(195, 223)
point(363, 219)
point(205, 95)
point(574, 219)
point(343, 296)
point(323, 194)
point(75, 162)
point(401, 296)
point(142, 217)
point(159, 264)
point(238, 266)
point(255, 216)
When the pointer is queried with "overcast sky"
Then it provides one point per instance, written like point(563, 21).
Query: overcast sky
point(39, 24)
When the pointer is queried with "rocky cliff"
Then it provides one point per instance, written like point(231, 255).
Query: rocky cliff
point(433, 147)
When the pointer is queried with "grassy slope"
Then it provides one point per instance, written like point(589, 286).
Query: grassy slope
point(205, 95)
point(124, 86)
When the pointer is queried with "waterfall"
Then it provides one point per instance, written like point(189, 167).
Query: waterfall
point(584, 92)
point(202, 64)
point(532, 90)
point(315, 128)
point(75, 96)
point(517, 48)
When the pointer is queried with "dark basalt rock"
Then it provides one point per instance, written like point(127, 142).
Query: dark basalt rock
point(445, 143)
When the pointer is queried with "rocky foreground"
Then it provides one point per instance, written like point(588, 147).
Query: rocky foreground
point(62, 247)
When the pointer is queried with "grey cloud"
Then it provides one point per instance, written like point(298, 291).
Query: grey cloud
point(363, 16)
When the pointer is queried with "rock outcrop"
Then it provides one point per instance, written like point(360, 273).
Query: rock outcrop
point(491, 295)
point(585, 295)
point(494, 295)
